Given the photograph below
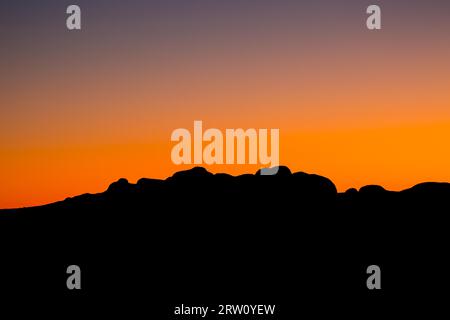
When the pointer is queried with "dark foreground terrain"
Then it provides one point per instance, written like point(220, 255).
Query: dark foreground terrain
point(198, 239)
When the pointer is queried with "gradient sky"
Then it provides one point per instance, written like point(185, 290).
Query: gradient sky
point(80, 109)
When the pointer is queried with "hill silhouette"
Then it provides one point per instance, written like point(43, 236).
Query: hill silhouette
point(199, 183)
point(198, 235)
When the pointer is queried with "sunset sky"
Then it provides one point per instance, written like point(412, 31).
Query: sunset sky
point(81, 109)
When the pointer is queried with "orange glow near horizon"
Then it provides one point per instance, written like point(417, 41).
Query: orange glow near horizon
point(395, 157)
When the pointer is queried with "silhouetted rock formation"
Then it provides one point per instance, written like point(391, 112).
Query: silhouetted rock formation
point(196, 172)
point(351, 191)
point(259, 233)
point(430, 188)
point(122, 185)
point(371, 189)
point(283, 187)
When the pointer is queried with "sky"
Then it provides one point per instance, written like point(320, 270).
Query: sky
point(81, 109)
